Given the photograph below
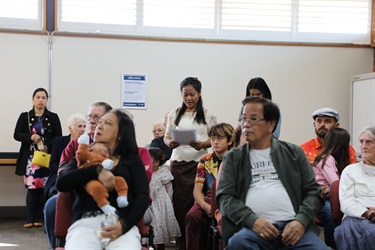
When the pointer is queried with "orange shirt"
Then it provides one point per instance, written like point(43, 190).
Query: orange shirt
point(313, 147)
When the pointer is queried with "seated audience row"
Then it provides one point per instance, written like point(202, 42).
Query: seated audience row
point(277, 175)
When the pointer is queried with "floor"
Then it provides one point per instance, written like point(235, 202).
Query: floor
point(13, 236)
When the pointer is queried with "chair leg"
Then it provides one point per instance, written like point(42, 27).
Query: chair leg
point(210, 238)
point(151, 237)
point(216, 238)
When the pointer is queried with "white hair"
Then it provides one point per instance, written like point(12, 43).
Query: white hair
point(73, 119)
point(369, 131)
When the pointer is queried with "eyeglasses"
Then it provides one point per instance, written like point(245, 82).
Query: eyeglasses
point(94, 117)
point(252, 120)
point(368, 143)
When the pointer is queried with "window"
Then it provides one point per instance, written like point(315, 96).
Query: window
point(21, 14)
point(328, 21)
point(179, 14)
point(97, 16)
point(335, 20)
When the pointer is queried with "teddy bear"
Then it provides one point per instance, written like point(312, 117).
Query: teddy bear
point(98, 153)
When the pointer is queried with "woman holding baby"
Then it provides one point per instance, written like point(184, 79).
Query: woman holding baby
point(116, 131)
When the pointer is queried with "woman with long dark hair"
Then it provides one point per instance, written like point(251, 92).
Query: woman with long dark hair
point(116, 130)
point(184, 159)
point(328, 166)
point(35, 130)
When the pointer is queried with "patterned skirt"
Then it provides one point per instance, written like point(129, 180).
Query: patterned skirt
point(36, 176)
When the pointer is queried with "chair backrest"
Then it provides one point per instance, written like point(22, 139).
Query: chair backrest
point(213, 197)
point(63, 216)
point(335, 202)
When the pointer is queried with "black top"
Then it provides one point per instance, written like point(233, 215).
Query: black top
point(22, 133)
point(159, 143)
point(59, 144)
point(130, 167)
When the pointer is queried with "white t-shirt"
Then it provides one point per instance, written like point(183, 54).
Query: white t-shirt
point(267, 196)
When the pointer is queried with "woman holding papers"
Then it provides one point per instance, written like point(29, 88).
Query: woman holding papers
point(195, 122)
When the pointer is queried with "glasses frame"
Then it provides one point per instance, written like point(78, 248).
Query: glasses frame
point(251, 120)
point(95, 117)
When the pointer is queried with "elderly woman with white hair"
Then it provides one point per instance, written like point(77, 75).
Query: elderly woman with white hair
point(357, 198)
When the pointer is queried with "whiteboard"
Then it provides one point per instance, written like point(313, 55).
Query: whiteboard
point(363, 106)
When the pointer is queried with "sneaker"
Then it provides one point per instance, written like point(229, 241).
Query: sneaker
point(28, 225)
point(37, 224)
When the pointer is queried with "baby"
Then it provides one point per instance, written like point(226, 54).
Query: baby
point(97, 153)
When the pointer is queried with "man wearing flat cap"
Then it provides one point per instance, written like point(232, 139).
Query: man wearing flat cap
point(324, 120)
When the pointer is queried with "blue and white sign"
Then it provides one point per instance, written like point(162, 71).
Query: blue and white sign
point(134, 91)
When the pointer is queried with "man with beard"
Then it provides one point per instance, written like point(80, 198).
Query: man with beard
point(324, 120)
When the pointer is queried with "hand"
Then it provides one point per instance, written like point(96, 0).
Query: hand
point(370, 213)
point(107, 179)
point(198, 145)
point(112, 232)
point(173, 144)
point(265, 229)
point(292, 233)
point(207, 209)
point(325, 192)
point(35, 138)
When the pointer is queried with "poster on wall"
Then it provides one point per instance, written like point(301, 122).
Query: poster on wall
point(134, 91)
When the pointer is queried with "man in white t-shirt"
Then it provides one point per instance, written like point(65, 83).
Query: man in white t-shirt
point(267, 191)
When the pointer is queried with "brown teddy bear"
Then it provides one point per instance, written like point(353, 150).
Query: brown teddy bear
point(97, 153)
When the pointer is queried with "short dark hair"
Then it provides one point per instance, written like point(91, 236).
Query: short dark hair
point(261, 85)
point(105, 106)
point(271, 111)
point(126, 142)
point(40, 89)
point(157, 154)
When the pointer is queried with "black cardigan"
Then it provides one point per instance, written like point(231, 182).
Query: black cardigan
point(129, 167)
point(22, 133)
point(59, 144)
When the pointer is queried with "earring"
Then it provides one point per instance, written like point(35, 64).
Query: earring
point(119, 138)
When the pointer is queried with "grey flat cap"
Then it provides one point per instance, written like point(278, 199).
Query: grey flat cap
point(326, 112)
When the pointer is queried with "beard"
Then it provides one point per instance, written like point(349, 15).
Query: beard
point(321, 133)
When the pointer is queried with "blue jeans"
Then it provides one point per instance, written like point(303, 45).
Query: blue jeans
point(325, 216)
point(49, 219)
point(247, 239)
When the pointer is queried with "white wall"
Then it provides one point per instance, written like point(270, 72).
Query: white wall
point(86, 70)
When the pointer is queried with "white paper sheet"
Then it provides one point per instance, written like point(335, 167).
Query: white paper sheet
point(184, 136)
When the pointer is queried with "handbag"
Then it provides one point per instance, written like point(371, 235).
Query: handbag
point(41, 158)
